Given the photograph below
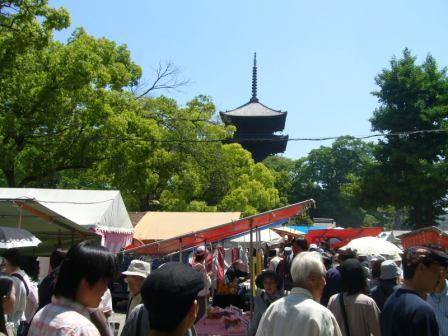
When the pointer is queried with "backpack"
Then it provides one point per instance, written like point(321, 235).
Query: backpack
point(32, 296)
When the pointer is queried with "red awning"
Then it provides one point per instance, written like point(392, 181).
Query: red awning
point(222, 231)
point(344, 235)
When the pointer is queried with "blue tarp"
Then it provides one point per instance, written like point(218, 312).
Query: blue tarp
point(305, 229)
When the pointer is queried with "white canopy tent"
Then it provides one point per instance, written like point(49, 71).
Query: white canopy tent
point(62, 216)
point(264, 236)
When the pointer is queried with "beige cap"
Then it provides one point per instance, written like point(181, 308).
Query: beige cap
point(138, 268)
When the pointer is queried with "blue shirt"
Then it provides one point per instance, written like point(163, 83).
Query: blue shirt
point(439, 301)
point(405, 313)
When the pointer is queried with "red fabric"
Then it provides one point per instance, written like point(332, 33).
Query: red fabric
point(208, 261)
point(345, 235)
point(425, 236)
point(220, 266)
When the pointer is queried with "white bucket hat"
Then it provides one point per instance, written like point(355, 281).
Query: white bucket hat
point(138, 268)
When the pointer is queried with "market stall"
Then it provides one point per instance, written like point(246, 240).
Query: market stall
point(428, 235)
point(215, 235)
point(154, 226)
point(60, 218)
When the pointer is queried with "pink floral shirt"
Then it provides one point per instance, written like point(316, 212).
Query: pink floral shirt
point(62, 317)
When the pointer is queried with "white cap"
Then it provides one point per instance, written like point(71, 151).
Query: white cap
point(200, 250)
point(138, 268)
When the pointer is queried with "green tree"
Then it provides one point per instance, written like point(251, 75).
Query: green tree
point(326, 175)
point(69, 118)
point(282, 168)
point(60, 103)
point(410, 170)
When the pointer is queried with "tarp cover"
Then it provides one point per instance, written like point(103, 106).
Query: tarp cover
point(221, 232)
point(264, 236)
point(164, 225)
point(93, 209)
point(344, 235)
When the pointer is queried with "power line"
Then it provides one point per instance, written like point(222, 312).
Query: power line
point(277, 138)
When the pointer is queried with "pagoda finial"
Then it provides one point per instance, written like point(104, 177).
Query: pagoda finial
point(254, 98)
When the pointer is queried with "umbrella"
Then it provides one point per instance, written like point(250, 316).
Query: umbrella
point(14, 237)
point(288, 231)
point(373, 246)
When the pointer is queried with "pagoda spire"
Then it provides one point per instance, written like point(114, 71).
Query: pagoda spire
point(254, 98)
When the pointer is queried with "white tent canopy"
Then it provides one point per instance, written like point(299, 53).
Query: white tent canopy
point(265, 236)
point(99, 211)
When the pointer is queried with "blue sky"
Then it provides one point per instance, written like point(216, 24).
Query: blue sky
point(316, 59)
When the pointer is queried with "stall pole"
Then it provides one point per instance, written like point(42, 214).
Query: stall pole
point(251, 245)
point(180, 250)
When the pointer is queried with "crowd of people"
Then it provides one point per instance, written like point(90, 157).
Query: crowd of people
point(304, 290)
point(347, 294)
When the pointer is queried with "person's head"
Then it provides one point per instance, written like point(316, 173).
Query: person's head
point(8, 297)
point(272, 253)
point(12, 259)
point(327, 259)
point(56, 258)
point(7, 294)
point(200, 253)
point(354, 277)
point(238, 265)
point(308, 271)
point(85, 273)
point(313, 247)
point(299, 245)
point(169, 294)
point(375, 266)
point(422, 267)
point(389, 270)
point(343, 255)
point(270, 281)
point(136, 273)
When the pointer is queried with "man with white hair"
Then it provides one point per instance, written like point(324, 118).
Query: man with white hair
point(300, 313)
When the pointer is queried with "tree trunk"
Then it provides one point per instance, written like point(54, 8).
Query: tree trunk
point(10, 178)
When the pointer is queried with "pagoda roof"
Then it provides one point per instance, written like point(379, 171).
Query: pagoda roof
point(253, 109)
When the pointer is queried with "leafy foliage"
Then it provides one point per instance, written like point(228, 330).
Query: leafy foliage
point(69, 119)
point(410, 170)
point(327, 174)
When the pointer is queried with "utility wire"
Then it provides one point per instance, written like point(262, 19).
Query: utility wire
point(277, 138)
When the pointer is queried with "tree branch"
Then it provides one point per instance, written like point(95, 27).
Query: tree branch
point(166, 79)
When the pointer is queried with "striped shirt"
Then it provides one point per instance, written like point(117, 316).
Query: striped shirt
point(439, 301)
point(62, 317)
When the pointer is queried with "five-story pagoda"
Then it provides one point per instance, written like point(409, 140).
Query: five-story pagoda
point(256, 124)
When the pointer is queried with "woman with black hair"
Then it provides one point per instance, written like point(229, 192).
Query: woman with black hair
point(271, 284)
point(357, 314)
point(7, 295)
point(83, 278)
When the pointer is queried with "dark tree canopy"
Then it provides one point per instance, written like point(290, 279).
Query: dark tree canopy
point(411, 169)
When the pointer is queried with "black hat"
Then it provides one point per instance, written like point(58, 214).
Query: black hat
point(168, 293)
point(352, 273)
point(423, 254)
point(274, 275)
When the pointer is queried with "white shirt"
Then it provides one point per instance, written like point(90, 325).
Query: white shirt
point(200, 267)
point(298, 314)
point(273, 263)
point(18, 311)
point(106, 302)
